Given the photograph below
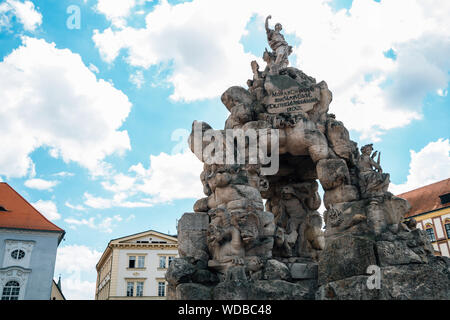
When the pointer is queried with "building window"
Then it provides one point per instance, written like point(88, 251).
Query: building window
point(162, 262)
point(132, 262)
point(447, 228)
point(430, 233)
point(141, 261)
point(171, 259)
point(130, 289)
point(161, 289)
point(11, 291)
point(139, 289)
point(18, 254)
point(445, 198)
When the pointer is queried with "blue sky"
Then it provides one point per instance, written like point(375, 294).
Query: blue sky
point(95, 117)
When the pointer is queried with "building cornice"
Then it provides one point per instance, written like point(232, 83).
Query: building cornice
point(152, 246)
point(431, 213)
point(15, 268)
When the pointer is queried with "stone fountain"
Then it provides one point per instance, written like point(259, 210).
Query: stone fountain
point(257, 233)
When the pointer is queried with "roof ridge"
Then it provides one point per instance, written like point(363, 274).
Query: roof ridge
point(425, 186)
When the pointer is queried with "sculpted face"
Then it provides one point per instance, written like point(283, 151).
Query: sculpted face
point(368, 151)
point(278, 27)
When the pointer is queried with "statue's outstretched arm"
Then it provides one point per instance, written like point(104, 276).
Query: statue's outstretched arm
point(267, 23)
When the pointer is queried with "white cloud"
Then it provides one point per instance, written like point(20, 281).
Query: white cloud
point(115, 10)
point(76, 264)
point(72, 112)
point(118, 200)
point(106, 225)
point(137, 79)
point(76, 258)
point(93, 68)
point(24, 11)
point(202, 44)
point(429, 165)
point(81, 222)
point(75, 207)
point(40, 184)
point(48, 209)
point(199, 41)
point(74, 288)
point(169, 177)
point(64, 174)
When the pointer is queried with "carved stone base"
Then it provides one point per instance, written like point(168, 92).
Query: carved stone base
point(275, 281)
point(402, 282)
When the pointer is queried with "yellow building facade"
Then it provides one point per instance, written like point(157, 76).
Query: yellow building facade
point(134, 267)
point(430, 207)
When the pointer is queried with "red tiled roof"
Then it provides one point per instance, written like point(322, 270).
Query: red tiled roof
point(426, 199)
point(20, 214)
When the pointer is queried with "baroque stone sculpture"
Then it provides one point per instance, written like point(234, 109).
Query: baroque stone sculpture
point(236, 247)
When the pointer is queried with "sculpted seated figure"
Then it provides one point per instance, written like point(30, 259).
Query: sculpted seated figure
point(373, 182)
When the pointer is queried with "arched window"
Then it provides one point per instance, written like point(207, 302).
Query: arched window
point(11, 291)
point(430, 232)
point(447, 227)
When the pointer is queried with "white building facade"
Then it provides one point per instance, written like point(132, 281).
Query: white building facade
point(28, 246)
point(134, 267)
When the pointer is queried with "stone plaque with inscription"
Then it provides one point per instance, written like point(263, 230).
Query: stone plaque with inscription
point(292, 100)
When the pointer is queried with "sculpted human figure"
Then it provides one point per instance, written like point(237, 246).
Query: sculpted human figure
point(278, 44)
point(269, 59)
point(224, 240)
point(372, 180)
point(294, 211)
point(256, 86)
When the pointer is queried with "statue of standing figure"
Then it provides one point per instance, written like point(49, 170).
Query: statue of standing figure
point(279, 46)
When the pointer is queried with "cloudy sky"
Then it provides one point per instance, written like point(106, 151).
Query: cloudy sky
point(98, 96)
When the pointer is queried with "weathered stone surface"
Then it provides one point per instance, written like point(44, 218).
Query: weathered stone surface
point(236, 95)
point(396, 209)
point(395, 253)
point(192, 229)
point(339, 138)
point(332, 173)
point(430, 281)
point(232, 290)
point(279, 290)
point(416, 282)
point(276, 270)
point(205, 277)
point(352, 288)
point(343, 193)
point(193, 291)
point(179, 271)
point(345, 256)
point(304, 270)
